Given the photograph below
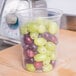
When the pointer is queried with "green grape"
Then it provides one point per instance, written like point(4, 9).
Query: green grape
point(23, 29)
point(30, 67)
point(32, 27)
point(40, 41)
point(40, 57)
point(34, 35)
point(47, 61)
point(47, 68)
point(41, 28)
point(42, 50)
point(41, 25)
point(50, 46)
point(53, 56)
point(52, 27)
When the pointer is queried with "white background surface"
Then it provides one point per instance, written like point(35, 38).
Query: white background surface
point(67, 6)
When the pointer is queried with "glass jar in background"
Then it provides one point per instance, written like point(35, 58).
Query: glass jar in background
point(39, 38)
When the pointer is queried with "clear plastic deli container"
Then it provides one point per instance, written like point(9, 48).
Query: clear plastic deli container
point(39, 29)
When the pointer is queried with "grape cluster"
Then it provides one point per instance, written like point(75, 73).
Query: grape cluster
point(39, 39)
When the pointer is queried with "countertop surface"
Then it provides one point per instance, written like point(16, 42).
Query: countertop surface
point(11, 59)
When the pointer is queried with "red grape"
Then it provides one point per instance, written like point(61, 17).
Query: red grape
point(38, 65)
point(53, 62)
point(29, 60)
point(33, 47)
point(50, 37)
point(27, 39)
point(30, 53)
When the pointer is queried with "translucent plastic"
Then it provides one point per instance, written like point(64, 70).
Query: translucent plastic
point(39, 38)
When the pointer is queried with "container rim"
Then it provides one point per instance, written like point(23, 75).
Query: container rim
point(56, 12)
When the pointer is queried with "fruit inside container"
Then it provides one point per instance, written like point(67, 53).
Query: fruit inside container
point(39, 41)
